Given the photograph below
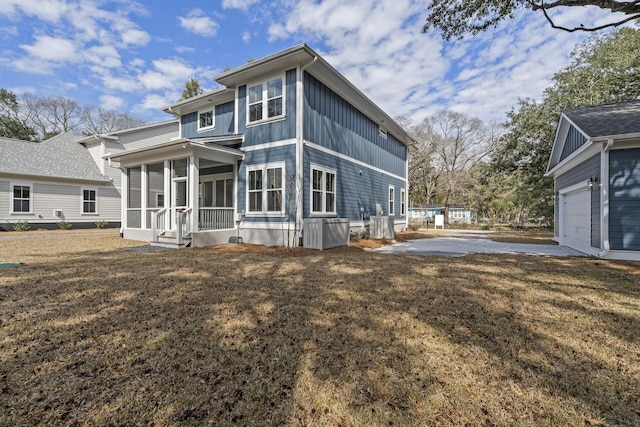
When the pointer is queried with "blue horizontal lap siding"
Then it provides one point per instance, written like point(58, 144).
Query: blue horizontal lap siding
point(270, 131)
point(331, 122)
point(353, 190)
point(624, 199)
point(285, 154)
point(224, 122)
point(590, 168)
point(572, 142)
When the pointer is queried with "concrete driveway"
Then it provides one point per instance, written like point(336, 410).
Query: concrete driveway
point(463, 242)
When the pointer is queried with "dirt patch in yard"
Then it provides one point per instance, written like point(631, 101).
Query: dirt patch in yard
point(245, 335)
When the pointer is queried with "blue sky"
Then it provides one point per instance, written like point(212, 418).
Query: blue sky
point(135, 56)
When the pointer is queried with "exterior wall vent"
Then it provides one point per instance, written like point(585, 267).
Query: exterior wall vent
point(382, 133)
point(57, 213)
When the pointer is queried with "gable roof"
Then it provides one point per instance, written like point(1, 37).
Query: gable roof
point(58, 157)
point(622, 118)
point(304, 56)
point(579, 128)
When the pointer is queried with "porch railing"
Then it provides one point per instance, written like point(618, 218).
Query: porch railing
point(215, 219)
point(183, 224)
point(158, 223)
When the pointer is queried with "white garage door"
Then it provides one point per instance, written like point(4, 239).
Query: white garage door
point(576, 231)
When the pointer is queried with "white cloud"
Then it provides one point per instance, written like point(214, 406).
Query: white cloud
point(199, 23)
point(110, 102)
point(47, 48)
point(238, 4)
point(166, 74)
point(246, 37)
point(135, 37)
point(185, 49)
point(46, 10)
point(105, 56)
point(157, 102)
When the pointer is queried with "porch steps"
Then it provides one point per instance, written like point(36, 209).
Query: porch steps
point(168, 239)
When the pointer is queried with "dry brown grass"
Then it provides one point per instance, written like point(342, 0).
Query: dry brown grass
point(93, 335)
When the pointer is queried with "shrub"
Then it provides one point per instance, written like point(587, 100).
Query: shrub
point(64, 225)
point(21, 226)
point(101, 224)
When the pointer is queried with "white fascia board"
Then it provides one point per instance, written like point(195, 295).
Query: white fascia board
point(575, 158)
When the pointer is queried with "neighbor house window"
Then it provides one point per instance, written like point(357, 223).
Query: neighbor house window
point(205, 120)
point(89, 201)
point(21, 199)
point(403, 202)
point(323, 190)
point(266, 100)
point(391, 200)
point(265, 188)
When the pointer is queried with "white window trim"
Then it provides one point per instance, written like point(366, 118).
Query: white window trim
point(213, 119)
point(403, 202)
point(324, 171)
point(82, 190)
point(263, 167)
point(265, 101)
point(22, 184)
point(390, 199)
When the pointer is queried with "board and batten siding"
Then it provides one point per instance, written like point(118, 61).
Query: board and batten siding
point(332, 122)
point(269, 131)
point(223, 122)
point(285, 154)
point(624, 199)
point(572, 142)
point(353, 189)
point(590, 168)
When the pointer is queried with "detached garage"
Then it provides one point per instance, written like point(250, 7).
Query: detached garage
point(595, 163)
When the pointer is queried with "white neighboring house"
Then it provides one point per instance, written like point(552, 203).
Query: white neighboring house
point(69, 177)
point(54, 180)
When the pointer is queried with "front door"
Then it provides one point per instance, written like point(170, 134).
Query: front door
point(179, 188)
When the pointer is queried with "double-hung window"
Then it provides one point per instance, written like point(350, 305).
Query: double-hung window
point(89, 201)
point(265, 189)
point(266, 100)
point(323, 190)
point(403, 202)
point(21, 199)
point(205, 120)
point(391, 201)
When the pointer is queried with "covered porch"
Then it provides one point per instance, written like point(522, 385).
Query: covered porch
point(181, 193)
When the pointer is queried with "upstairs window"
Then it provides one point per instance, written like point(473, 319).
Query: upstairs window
point(266, 100)
point(21, 199)
point(323, 190)
point(205, 120)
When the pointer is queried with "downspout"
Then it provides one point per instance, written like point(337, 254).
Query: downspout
point(300, 148)
point(604, 194)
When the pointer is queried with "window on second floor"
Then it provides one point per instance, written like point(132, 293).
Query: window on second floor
point(266, 100)
point(205, 120)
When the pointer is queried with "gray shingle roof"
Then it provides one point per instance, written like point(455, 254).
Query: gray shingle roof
point(607, 120)
point(57, 157)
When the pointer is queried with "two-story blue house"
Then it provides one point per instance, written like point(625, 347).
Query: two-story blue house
point(286, 138)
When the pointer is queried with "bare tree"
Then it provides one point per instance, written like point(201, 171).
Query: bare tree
point(50, 116)
point(98, 120)
point(424, 173)
point(459, 142)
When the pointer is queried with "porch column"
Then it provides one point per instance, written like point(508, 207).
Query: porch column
point(194, 187)
point(144, 183)
point(167, 194)
point(124, 199)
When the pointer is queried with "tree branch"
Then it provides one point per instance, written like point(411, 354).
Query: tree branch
point(625, 7)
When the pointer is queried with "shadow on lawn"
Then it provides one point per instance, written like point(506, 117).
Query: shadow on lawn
point(333, 338)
